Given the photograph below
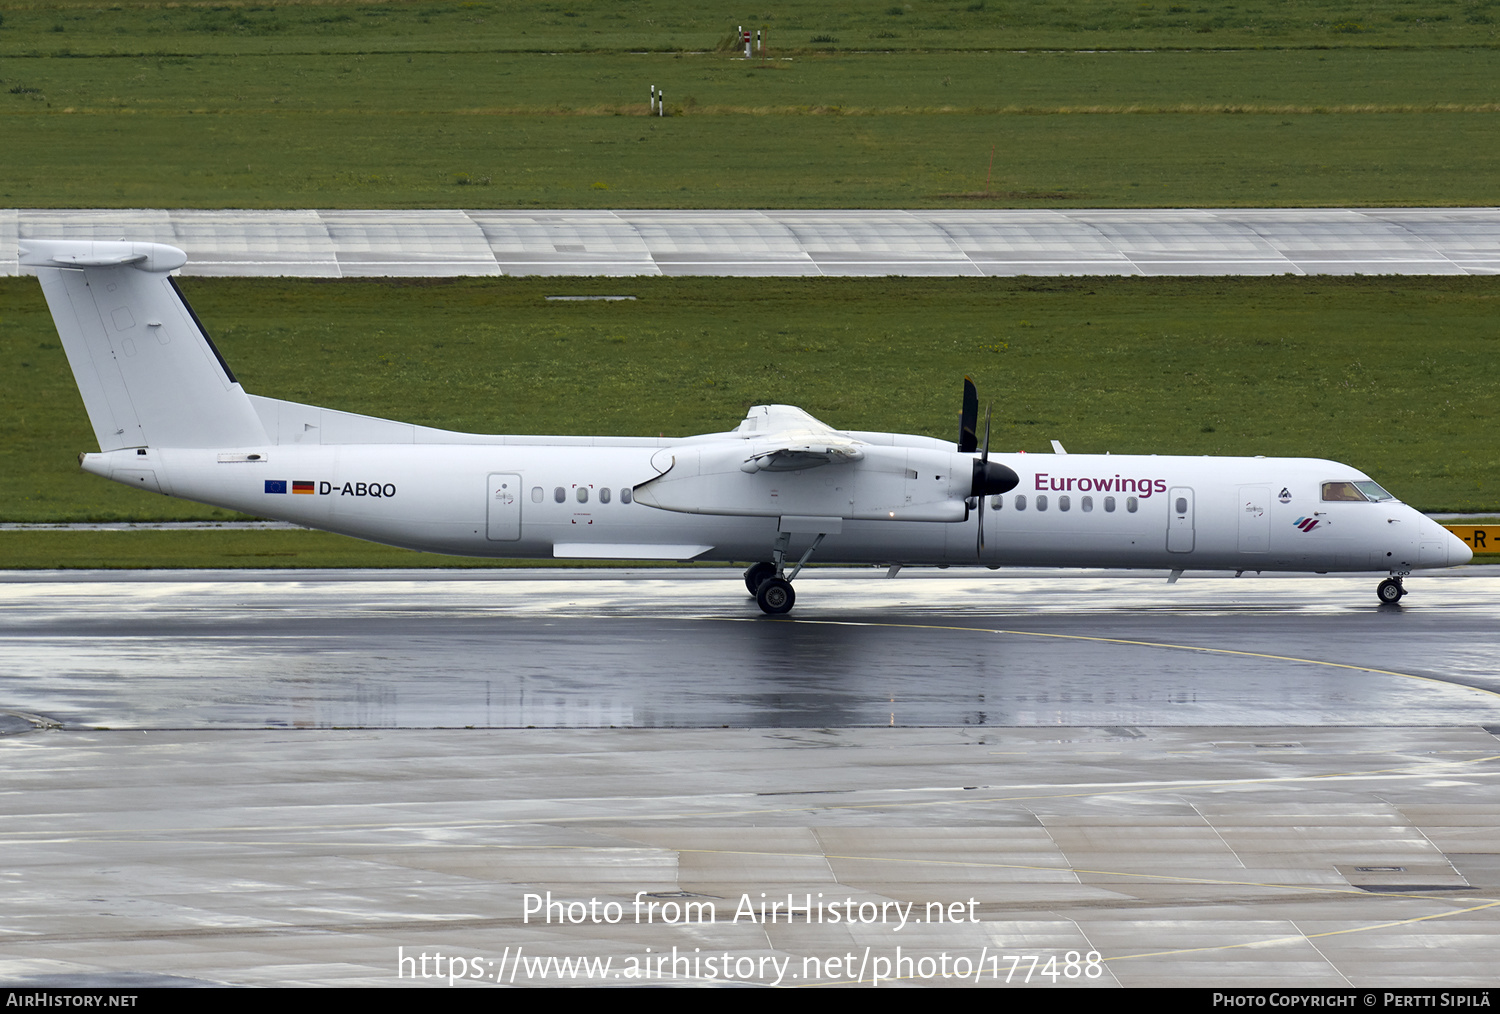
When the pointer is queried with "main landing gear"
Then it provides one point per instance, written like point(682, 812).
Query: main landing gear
point(769, 583)
point(771, 592)
point(1390, 590)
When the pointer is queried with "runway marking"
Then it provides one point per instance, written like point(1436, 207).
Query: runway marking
point(1313, 936)
point(1138, 644)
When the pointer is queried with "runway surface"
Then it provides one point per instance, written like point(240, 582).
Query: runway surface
point(1245, 241)
point(308, 778)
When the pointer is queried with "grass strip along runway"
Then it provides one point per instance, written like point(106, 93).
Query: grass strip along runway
point(342, 105)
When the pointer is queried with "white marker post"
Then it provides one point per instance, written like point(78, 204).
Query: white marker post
point(653, 98)
point(661, 102)
point(746, 36)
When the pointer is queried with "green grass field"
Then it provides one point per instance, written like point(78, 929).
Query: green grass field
point(708, 162)
point(475, 105)
point(80, 27)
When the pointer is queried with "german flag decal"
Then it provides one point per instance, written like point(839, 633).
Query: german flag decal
point(302, 487)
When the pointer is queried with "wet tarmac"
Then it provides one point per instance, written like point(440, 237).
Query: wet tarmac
point(689, 650)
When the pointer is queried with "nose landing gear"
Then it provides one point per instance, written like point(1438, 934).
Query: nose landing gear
point(1390, 590)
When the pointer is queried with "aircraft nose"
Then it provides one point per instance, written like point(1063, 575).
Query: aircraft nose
point(1454, 552)
point(1458, 552)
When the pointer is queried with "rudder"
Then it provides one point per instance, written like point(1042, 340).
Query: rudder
point(149, 374)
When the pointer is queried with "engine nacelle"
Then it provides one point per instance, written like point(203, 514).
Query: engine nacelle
point(883, 484)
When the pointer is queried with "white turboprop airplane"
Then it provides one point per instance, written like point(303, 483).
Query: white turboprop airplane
point(778, 488)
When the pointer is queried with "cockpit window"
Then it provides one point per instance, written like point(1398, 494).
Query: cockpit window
point(1373, 491)
point(1335, 491)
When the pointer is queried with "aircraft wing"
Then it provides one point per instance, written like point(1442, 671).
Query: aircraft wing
point(781, 438)
point(764, 419)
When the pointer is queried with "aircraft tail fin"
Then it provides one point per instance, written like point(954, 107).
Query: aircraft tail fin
point(148, 372)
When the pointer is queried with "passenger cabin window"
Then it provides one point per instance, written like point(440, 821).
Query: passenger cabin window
point(1337, 491)
point(1182, 505)
point(1109, 505)
point(997, 502)
point(560, 495)
point(1087, 504)
point(537, 493)
point(583, 494)
point(1064, 502)
point(1020, 501)
point(625, 494)
point(1041, 502)
point(1131, 503)
point(604, 494)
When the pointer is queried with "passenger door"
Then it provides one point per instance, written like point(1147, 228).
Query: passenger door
point(503, 517)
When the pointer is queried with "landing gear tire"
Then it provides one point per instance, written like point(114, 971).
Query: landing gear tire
point(1390, 591)
point(756, 574)
point(775, 596)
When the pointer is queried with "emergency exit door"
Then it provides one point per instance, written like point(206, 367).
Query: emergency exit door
point(1180, 520)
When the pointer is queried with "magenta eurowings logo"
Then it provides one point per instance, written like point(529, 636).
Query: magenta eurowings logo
point(1306, 524)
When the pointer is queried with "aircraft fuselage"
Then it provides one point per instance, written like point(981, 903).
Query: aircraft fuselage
point(549, 500)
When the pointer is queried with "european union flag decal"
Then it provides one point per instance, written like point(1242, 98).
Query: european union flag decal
point(275, 485)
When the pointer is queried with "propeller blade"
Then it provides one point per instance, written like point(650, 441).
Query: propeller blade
point(984, 461)
point(969, 419)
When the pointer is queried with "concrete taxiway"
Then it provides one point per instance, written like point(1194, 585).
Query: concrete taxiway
point(267, 778)
point(1225, 241)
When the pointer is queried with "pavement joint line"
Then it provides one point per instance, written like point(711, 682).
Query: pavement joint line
point(1419, 770)
point(1348, 890)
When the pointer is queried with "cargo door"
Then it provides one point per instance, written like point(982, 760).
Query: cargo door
point(1255, 519)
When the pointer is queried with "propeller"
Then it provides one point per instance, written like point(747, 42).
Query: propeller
point(990, 478)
